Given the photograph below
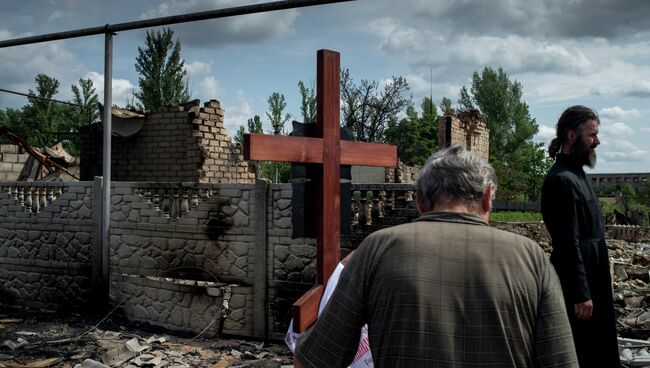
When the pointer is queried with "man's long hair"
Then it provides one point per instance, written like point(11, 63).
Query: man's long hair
point(572, 119)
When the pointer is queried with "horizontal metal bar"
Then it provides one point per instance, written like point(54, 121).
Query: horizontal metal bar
point(174, 19)
point(40, 98)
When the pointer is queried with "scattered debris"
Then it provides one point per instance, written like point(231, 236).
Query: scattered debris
point(81, 342)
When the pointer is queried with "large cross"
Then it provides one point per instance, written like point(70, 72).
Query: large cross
point(330, 151)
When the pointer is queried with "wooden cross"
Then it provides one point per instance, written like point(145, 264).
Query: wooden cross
point(331, 152)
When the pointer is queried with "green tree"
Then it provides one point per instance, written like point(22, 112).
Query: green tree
point(254, 126)
point(42, 118)
point(415, 136)
point(276, 114)
point(513, 153)
point(307, 103)
point(445, 106)
point(277, 172)
point(162, 72)
point(367, 109)
point(86, 96)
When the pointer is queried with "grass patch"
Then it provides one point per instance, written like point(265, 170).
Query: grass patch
point(515, 216)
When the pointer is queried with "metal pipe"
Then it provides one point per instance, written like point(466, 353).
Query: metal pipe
point(106, 169)
point(40, 98)
point(174, 19)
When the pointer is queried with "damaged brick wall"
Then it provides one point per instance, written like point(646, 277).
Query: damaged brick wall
point(12, 161)
point(178, 143)
point(468, 128)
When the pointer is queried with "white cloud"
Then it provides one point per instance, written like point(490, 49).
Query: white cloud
point(616, 129)
point(196, 68)
point(545, 133)
point(208, 89)
point(618, 113)
point(620, 150)
point(237, 113)
point(122, 88)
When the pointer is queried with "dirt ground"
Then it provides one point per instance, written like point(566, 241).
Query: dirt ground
point(33, 339)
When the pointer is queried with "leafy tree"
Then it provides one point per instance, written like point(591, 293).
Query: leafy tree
point(520, 163)
point(276, 114)
point(254, 126)
point(42, 118)
point(278, 172)
point(367, 109)
point(307, 103)
point(14, 120)
point(162, 72)
point(239, 136)
point(445, 106)
point(415, 136)
point(45, 123)
point(85, 95)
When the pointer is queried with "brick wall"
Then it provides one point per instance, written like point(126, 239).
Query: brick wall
point(179, 143)
point(468, 128)
point(11, 162)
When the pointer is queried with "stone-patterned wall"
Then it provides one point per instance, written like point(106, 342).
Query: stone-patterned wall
point(292, 270)
point(46, 244)
point(12, 161)
point(201, 232)
point(468, 128)
point(178, 143)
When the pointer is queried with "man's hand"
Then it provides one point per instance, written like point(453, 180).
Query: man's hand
point(584, 310)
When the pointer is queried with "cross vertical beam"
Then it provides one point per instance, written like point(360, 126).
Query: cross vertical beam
point(326, 149)
point(328, 230)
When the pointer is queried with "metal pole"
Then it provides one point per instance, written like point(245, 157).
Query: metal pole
point(39, 97)
point(106, 162)
point(174, 19)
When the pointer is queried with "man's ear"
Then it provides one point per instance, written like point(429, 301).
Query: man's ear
point(486, 200)
point(418, 203)
point(571, 137)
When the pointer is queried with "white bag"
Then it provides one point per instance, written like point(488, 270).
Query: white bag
point(363, 358)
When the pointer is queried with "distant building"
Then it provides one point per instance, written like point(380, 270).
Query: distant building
point(619, 180)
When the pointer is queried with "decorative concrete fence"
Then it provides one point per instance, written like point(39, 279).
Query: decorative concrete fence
point(183, 255)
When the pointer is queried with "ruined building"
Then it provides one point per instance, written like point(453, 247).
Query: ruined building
point(178, 143)
point(468, 128)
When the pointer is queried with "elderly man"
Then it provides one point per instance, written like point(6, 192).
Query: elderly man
point(572, 217)
point(447, 289)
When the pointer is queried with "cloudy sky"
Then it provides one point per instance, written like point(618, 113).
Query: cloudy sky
point(564, 52)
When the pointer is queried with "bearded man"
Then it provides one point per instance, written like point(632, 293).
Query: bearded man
point(574, 221)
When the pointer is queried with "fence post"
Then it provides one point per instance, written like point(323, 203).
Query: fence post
point(260, 288)
point(97, 279)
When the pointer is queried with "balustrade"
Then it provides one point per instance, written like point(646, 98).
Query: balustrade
point(372, 202)
point(33, 197)
point(174, 203)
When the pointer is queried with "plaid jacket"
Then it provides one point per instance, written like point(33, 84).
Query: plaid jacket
point(446, 290)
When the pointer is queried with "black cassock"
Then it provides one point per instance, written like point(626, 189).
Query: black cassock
point(574, 221)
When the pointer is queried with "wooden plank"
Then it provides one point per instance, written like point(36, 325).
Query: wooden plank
point(328, 127)
point(261, 147)
point(368, 154)
point(305, 309)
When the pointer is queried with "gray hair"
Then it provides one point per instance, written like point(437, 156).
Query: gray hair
point(453, 175)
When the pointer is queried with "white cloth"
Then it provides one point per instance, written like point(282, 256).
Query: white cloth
point(363, 358)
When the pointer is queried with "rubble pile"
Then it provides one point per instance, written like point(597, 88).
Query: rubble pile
point(630, 263)
point(47, 340)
